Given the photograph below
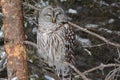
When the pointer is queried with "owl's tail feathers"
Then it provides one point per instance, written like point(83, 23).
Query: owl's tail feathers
point(63, 71)
point(67, 77)
point(70, 58)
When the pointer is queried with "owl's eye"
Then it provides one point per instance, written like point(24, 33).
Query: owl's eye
point(48, 15)
point(58, 13)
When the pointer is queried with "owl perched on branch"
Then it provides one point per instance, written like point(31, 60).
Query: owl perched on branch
point(54, 39)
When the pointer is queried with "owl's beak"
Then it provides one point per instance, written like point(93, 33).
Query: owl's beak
point(54, 20)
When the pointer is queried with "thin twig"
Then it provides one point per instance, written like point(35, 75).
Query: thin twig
point(2, 66)
point(96, 35)
point(2, 48)
point(77, 71)
point(92, 46)
point(34, 1)
point(32, 21)
point(31, 6)
point(112, 75)
point(101, 66)
point(30, 43)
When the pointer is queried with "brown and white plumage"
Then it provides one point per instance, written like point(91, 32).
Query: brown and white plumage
point(54, 39)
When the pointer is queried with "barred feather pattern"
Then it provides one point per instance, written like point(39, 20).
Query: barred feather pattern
point(54, 46)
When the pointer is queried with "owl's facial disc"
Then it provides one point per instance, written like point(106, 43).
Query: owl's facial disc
point(53, 15)
point(59, 15)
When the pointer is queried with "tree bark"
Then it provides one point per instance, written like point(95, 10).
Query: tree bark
point(14, 35)
point(0, 3)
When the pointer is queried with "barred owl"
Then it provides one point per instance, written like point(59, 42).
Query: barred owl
point(54, 39)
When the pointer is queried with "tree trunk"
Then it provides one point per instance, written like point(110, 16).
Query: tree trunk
point(14, 35)
point(0, 3)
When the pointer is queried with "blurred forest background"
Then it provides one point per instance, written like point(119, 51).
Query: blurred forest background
point(99, 16)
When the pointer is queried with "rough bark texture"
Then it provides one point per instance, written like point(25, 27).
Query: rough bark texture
point(0, 3)
point(14, 34)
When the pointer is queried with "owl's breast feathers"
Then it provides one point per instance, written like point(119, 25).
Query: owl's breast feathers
point(55, 47)
point(57, 42)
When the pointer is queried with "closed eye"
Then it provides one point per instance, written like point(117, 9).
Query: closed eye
point(58, 13)
point(48, 14)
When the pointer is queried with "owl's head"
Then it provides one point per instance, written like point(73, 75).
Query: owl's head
point(52, 14)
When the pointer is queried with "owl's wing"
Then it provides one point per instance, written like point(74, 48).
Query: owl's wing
point(70, 41)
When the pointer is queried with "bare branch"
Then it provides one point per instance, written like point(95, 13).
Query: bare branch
point(101, 66)
point(2, 67)
point(31, 6)
point(77, 71)
point(113, 75)
point(92, 46)
point(31, 20)
point(30, 43)
point(96, 35)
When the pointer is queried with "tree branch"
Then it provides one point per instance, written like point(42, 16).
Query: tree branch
point(77, 71)
point(31, 6)
point(101, 66)
point(92, 46)
point(2, 62)
point(96, 35)
point(30, 43)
